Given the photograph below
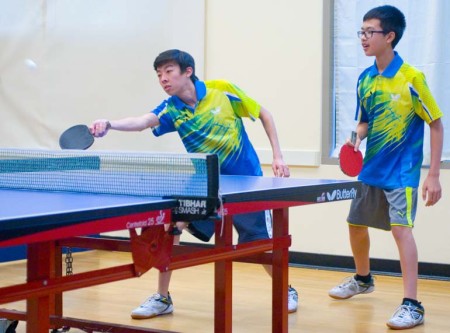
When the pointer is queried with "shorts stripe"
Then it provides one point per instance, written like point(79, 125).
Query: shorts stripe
point(409, 205)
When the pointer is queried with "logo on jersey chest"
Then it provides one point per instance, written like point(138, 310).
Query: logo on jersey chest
point(216, 110)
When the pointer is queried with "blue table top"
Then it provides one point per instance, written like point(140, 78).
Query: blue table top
point(20, 208)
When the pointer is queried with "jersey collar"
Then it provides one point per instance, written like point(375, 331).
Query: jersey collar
point(390, 70)
point(200, 91)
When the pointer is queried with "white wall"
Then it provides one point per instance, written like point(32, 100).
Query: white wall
point(272, 50)
point(92, 61)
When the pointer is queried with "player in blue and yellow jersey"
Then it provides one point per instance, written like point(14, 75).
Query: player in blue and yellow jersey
point(208, 118)
point(215, 126)
point(394, 103)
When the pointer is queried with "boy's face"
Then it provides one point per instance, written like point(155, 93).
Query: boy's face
point(171, 79)
point(379, 42)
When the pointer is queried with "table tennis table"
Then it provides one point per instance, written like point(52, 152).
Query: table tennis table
point(48, 221)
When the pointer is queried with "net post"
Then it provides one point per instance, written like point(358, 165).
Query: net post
point(212, 166)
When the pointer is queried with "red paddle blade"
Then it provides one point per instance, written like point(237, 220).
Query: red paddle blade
point(350, 161)
point(76, 137)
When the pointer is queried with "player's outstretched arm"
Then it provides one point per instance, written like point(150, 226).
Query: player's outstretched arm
point(100, 127)
point(279, 167)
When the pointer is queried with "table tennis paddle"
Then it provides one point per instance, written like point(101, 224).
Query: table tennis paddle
point(76, 137)
point(350, 161)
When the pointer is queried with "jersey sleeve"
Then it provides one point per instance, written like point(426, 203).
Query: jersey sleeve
point(243, 105)
point(166, 124)
point(425, 105)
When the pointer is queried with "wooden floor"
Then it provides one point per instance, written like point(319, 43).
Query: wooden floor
point(192, 292)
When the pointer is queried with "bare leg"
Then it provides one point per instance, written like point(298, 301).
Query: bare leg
point(408, 259)
point(164, 277)
point(360, 244)
point(163, 283)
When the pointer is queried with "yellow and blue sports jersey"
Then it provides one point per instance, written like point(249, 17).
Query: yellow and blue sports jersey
point(214, 125)
point(395, 104)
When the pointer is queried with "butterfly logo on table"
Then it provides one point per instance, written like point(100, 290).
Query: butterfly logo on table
point(338, 194)
point(331, 196)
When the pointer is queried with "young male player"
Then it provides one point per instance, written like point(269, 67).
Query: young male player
point(394, 102)
point(208, 118)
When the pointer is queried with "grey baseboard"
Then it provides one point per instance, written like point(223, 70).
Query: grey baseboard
point(378, 266)
point(427, 270)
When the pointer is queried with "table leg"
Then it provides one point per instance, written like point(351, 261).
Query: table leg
point(223, 276)
point(280, 278)
point(40, 267)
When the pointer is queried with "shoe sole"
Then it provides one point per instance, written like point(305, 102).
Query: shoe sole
point(404, 327)
point(148, 317)
point(337, 297)
point(368, 291)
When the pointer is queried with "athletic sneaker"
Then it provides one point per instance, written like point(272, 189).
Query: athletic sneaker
point(406, 316)
point(351, 287)
point(292, 300)
point(153, 306)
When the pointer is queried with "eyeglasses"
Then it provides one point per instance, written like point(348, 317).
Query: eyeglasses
point(369, 33)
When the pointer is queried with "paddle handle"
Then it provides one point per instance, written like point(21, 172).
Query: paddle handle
point(353, 137)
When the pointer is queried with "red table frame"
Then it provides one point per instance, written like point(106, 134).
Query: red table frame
point(45, 284)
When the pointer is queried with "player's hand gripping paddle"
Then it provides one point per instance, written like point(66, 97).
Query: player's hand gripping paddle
point(76, 137)
point(350, 161)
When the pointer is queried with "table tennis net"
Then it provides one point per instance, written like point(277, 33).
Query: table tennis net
point(119, 173)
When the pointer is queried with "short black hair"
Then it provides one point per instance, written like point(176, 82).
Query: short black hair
point(391, 19)
point(182, 58)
